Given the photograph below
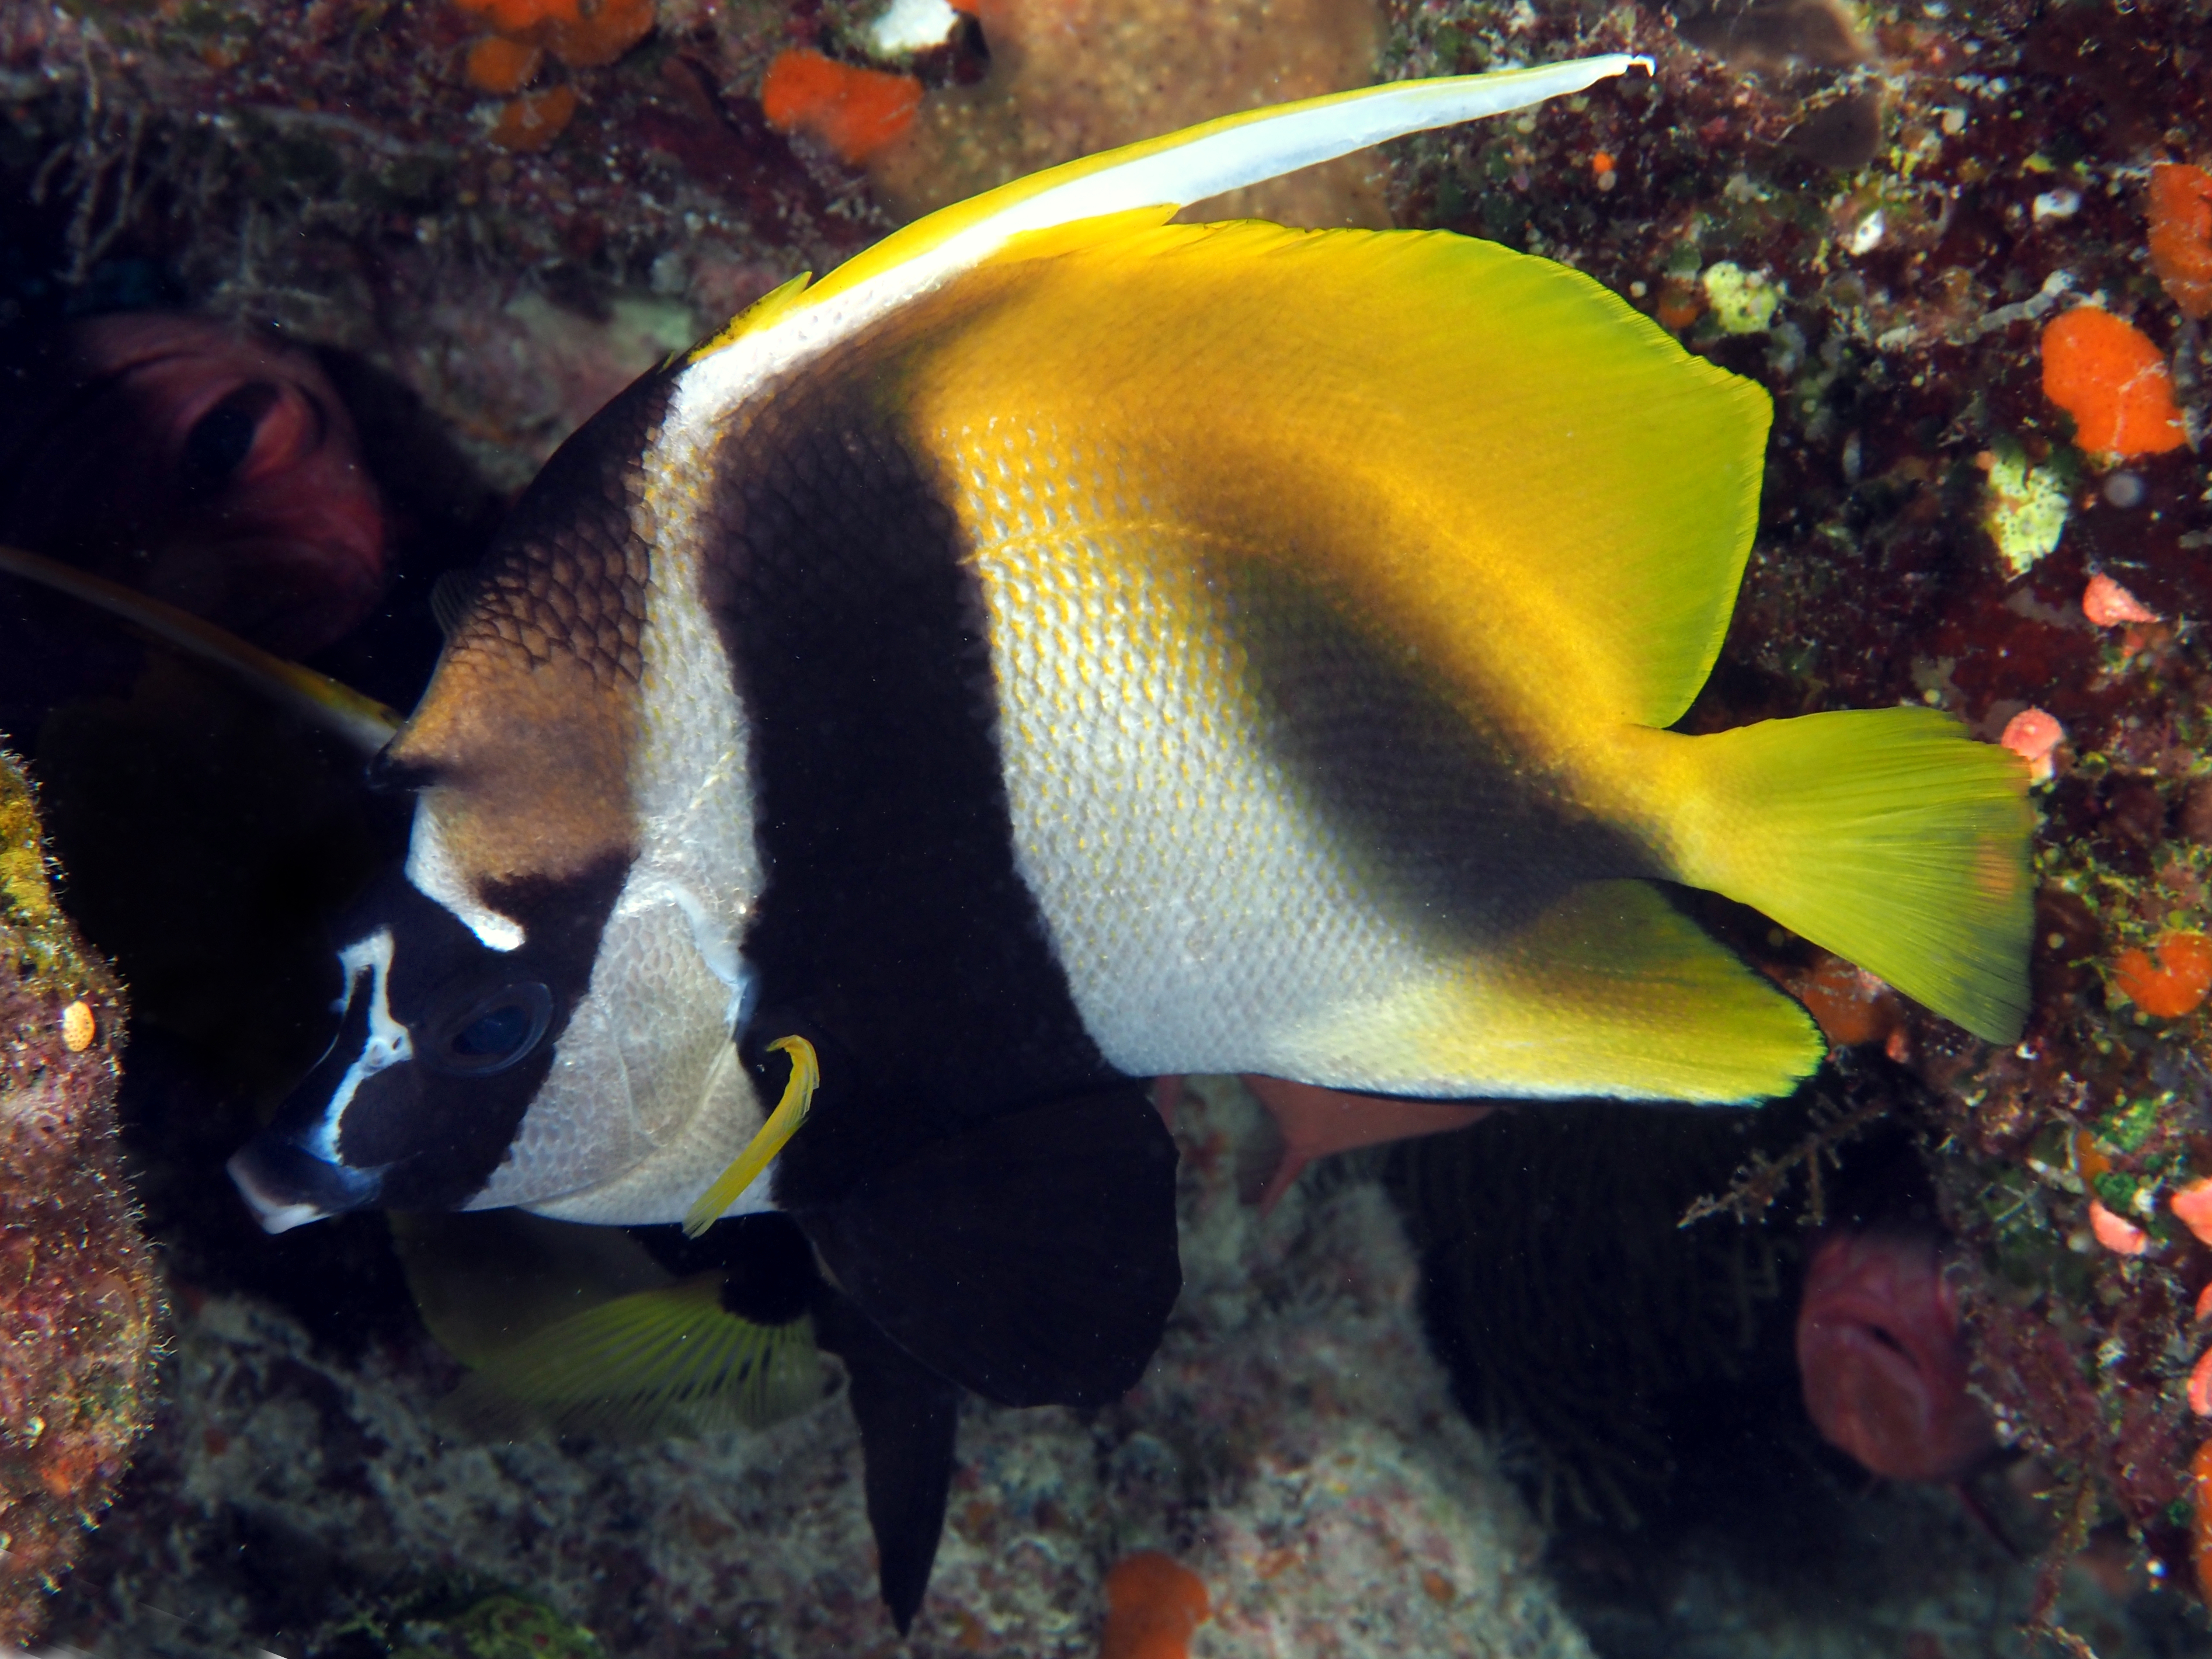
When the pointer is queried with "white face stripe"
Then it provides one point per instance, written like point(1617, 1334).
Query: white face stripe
point(432, 870)
point(645, 1103)
point(388, 1044)
point(1220, 155)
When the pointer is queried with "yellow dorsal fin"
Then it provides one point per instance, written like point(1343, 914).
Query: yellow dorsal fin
point(1497, 462)
point(759, 315)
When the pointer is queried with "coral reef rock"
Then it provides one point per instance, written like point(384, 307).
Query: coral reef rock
point(78, 1308)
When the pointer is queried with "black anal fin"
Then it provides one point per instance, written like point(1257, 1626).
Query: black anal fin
point(1029, 1257)
point(908, 1416)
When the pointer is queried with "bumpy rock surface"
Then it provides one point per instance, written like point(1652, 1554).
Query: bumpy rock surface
point(78, 1309)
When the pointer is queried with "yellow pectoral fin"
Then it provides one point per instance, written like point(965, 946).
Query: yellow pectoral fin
point(760, 1151)
point(672, 1359)
point(1609, 992)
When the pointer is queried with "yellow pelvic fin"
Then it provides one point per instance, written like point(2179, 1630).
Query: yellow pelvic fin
point(485, 1279)
point(362, 721)
point(790, 1112)
point(1610, 992)
point(657, 1361)
point(1884, 834)
point(1488, 455)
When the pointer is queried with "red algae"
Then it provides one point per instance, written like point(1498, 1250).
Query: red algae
point(2108, 604)
point(856, 112)
point(2181, 236)
point(2192, 1205)
point(2115, 1232)
point(2105, 372)
point(1153, 1604)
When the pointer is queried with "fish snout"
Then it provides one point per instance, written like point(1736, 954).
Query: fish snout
point(286, 1186)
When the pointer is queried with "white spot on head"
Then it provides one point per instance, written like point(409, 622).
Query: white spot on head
point(436, 875)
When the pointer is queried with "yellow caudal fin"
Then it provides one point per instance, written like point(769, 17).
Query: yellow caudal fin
point(1885, 836)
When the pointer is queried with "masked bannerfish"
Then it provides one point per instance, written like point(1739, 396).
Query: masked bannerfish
point(1064, 647)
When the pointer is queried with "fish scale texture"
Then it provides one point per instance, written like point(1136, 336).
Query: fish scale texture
point(1263, 842)
point(571, 572)
point(1163, 838)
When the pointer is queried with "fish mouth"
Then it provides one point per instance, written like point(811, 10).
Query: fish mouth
point(286, 1186)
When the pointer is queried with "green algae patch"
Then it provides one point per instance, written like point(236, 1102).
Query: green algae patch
point(34, 930)
point(501, 1627)
point(1743, 301)
point(23, 883)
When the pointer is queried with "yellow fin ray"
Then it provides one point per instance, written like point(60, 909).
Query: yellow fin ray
point(1884, 834)
point(361, 720)
point(1226, 154)
point(657, 1361)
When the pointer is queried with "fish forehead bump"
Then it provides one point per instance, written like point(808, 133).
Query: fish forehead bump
point(522, 744)
point(438, 875)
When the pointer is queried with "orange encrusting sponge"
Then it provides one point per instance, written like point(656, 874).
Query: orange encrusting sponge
point(2181, 235)
point(532, 123)
point(497, 63)
point(856, 112)
point(2171, 979)
point(2105, 372)
point(1153, 1603)
point(582, 33)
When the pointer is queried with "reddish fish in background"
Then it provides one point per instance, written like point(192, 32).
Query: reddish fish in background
point(1882, 1358)
point(215, 469)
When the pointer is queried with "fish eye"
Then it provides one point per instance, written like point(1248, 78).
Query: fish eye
point(489, 1034)
point(222, 440)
